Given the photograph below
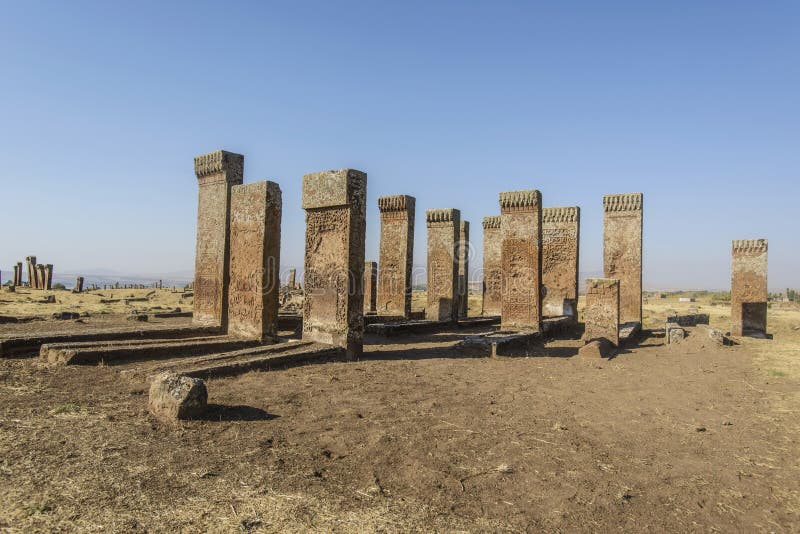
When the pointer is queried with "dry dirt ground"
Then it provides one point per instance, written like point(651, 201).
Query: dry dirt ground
point(420, 435)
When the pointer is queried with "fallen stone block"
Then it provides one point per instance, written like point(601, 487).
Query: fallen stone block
point(66, 315)
point(140, 317)
point(596, 349)
point(692, 319)
point(174, 397)
point(674, 333)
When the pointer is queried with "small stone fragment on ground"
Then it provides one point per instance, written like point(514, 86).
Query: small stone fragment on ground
point(174, 397)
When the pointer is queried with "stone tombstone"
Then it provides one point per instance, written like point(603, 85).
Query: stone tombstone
point(255, 247)
point(370, 286)
point(462, 254)
point(39, 276)
point(217, 172)
point(492, 282)
point(560, 238)
point(395, 259)
point(602, 312)
point(335, 204)
point(749, 287)
point(521, 259)
point(292, 278)
point(48, 276)
point(16, 276)
point(79, 285)
point(31, 263)
point(442, 291)
point(622, 250)
point(19, 274)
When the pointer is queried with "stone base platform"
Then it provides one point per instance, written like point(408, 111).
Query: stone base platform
point(390, 329)
point(628, 332)
point(517, 343)
point(30, 345)
point(123, 351)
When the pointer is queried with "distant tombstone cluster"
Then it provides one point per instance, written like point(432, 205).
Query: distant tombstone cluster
point(39, 276)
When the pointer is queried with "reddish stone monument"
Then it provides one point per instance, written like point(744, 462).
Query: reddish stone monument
point(48, 276)
point(370, 286)
point(560, 238)
point(255, 241)
point(492, 281)
point(217, 173)
point(335, 204)
point(602, 310)
point(31, 264)
point(749, 287)
point(622, 251)
point(442, 291)
point(39, 270)
point(462, 253)
point(292, 278)
point(521, 259)
point(396, 254)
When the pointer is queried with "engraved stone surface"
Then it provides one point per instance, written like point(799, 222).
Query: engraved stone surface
point(622, 250)
point(442, 291)
point(395, 258)
point(462, 253)
point(370, 286)
point(749, 287)
point(255, 246)
point(492, 282)
point(521, 259)
point(560, 238)
point(602, 310)
point(216, 173)
point(335, 204)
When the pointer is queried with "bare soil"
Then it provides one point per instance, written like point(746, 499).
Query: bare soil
point(419, 435)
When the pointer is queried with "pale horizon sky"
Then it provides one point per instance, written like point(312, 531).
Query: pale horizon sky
point(695, 104)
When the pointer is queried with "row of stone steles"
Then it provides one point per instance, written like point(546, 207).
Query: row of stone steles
point(40, 276)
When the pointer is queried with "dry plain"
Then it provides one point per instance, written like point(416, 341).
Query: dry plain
point(417, 435)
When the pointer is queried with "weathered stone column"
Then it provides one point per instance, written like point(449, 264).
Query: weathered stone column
point(602, 310)
point(462, 253)
point(292, 278)
point(16, 275)
point(749, 287)
point(622, 251)
point(521, 258)
point(78, 285)
point(39, 276)
point(48, 276)
point(31, 263)
point(492, 282)
point(442, 290)
point(335, 204)
point(216, 173)
point(370, 286)
point(255, 245)
point(560, 238)
point(395, 260)
point(18, 281)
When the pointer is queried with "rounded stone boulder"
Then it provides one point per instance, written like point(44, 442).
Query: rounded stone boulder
point(174, 397)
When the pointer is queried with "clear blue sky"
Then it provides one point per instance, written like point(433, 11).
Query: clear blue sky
point(696, 103)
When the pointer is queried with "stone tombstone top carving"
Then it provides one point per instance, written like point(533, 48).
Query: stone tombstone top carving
point(442, 289)
point(521, 259)
point(560, 243)
point(749, 293)
point(216, 173)
point(255, 230)
point(395, 259)
point(491, 222)
point(622, 250)
point(335, 204)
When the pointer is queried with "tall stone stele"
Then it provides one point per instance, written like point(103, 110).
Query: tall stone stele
point(217, 172)
point(292, 278)
point(601, 315)
point(395, 260)
point(31, 265)
point(622, 251)
point(560, 238)
point(18, 281)
point(39, 276)
point(255, 247)
point(335, 204)
point(442, 290)
point(462, 253)
point(749, 287)
point(48, 277)
point(492, 269)
point(521, 259)
point(370, 286)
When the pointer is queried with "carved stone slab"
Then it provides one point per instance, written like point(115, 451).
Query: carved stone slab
point(395, 258)
point(560, 239)
point(749, 287)
point(255, 241)
point(462, 253)
point(442, 291)
point(602, 310)
point(335, 204)
point(370, 286)
point(491, 266)
point(622, 250)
